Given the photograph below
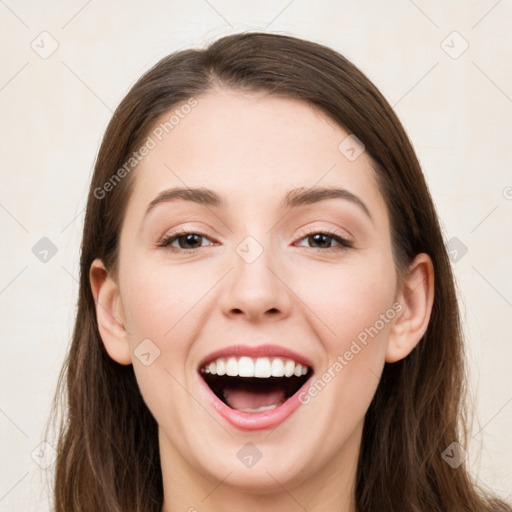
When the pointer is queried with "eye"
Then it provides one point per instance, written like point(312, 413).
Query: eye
point(325, 238)
point(188, 241)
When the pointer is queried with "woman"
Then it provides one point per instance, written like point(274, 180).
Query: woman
point(221, 360)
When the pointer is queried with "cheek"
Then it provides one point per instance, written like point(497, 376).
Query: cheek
point(163, 304)
point(157, 299)
point(351, 302)
point(358, 308)
point(353, 311)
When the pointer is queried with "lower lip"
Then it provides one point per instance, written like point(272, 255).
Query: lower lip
point(256, 420)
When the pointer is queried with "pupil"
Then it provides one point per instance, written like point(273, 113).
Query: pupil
point(316, 239)
point(189, 238)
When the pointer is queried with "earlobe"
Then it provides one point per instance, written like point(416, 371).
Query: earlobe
point(416, 298)
point(109, 313)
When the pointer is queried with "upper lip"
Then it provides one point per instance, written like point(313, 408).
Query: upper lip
point(256, 351)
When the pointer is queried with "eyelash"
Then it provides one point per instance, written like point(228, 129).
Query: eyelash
point(344, 243)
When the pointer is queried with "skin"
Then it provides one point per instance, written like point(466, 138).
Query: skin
point(252, 149)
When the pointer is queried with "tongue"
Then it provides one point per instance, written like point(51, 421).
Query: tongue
point(250, 401)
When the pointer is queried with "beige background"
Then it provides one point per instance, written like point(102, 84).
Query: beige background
point(456, 106)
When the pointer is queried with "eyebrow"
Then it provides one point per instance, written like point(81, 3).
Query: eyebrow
point(293, 198)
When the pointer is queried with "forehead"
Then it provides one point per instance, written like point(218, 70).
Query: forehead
point(252, 148)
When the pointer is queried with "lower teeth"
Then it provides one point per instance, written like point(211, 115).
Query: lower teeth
point(260, 409)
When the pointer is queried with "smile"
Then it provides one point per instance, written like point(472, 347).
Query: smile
point(253, 392)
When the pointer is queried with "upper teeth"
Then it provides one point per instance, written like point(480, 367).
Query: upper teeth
point(258, 367)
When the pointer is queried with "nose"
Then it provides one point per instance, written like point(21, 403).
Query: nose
point(256, 288)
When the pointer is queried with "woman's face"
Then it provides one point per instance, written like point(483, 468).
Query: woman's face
point(257, 282)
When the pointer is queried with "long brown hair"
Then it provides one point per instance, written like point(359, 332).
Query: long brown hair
point(108, 453)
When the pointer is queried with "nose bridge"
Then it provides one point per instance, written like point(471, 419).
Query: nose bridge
point(255, 287)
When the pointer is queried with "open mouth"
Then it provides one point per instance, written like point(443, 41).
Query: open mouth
point(254, 385)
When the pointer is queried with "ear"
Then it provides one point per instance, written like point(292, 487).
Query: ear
point(109, 313)
point(416, 297)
